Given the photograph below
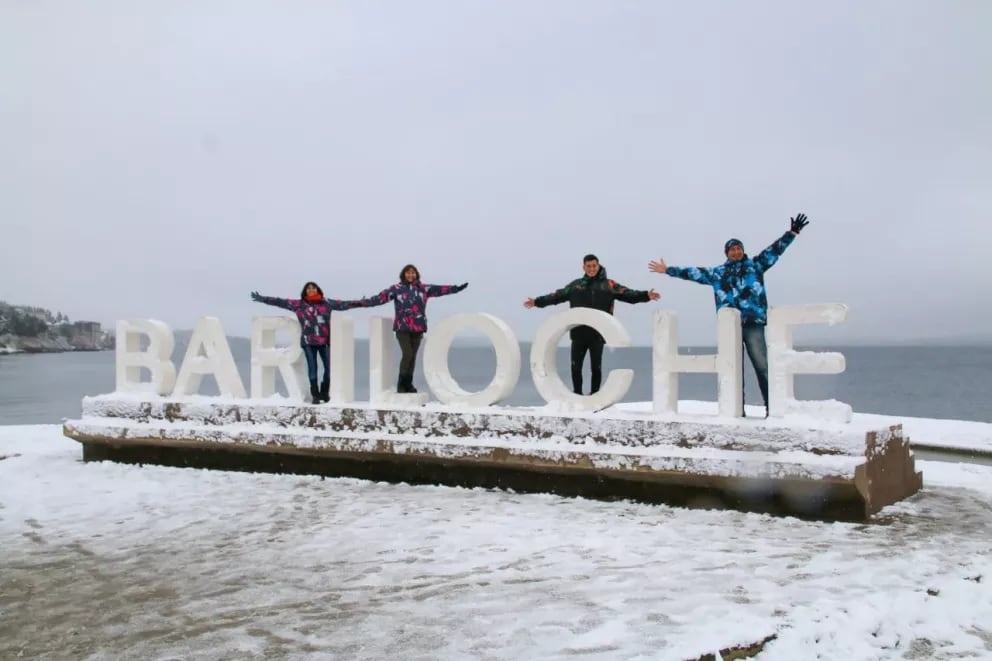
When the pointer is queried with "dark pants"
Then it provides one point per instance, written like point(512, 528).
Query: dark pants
point(757, 351)
point(593, 343)
point(409, 345)
point(311, 351)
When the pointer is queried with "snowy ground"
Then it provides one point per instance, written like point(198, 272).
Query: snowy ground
point(926, 432)
point(103, 561)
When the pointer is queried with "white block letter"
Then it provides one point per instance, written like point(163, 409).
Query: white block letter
point(266, 359)
point(439, 378)
point(542, 360)
point(156, 358)
point(784, 362)
point(342, 359)
point(382, 366)
point(726, 362)
point(209, 353)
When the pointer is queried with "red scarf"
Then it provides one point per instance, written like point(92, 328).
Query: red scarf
point(314, 298)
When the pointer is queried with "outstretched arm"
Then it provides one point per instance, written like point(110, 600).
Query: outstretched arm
point(767, 257)
point(433, 291)
point(382, 297)
point(554, 298)
point(633, 295)
point(700, 274)
point(335, 304)
point(285, 303)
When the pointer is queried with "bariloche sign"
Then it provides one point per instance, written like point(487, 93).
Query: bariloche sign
point(148, 345)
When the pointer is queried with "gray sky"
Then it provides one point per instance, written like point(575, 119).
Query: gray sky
point(162, 159)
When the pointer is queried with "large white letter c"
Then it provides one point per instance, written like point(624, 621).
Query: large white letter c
point(542, 360)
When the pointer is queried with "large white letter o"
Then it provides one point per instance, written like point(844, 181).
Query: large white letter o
point(439, 378)
point(542, 360)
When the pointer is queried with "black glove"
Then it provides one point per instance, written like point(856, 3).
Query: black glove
point(255, 296)
point(799, 222)
point(462, 286)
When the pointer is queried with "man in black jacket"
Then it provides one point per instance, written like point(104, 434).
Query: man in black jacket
point(593, 290)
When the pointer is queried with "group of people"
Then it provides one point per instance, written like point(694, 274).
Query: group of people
point(409, 297)
point(737, 283)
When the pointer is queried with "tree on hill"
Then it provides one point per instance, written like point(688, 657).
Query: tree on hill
point(27, 325)
point(24, 320)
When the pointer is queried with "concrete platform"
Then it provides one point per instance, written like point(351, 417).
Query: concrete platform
point(845, 473)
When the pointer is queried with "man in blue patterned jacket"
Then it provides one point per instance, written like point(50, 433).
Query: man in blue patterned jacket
point(740, 283)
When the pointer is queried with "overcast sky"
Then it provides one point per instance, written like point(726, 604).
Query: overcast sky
point(162, 159)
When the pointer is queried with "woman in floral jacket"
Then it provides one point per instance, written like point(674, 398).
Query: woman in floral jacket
point(314, 313)
point(409, 297)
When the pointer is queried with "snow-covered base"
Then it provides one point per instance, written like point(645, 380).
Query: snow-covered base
point(721, 454)
point(613, 429)
point(104, 561)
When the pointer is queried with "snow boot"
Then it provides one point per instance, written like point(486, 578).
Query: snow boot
point(314, 392)
point(325, 391)
point(404, 383)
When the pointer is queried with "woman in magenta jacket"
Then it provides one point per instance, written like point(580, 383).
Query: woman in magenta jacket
point(409, 297)
point(314, 313)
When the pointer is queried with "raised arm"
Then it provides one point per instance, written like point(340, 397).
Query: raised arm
point(767, 257)
point(386, 295)
point(285, 303)
point(433, 291)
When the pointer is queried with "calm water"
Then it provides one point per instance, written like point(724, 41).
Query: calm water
point(935, 382)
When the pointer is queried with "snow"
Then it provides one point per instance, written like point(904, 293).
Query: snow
point(965, 435)
point(618, 419)
point(106, 561)
point(555, 451)
point(613, 439)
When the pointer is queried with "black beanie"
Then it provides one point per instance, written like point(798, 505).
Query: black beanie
point(730, 244)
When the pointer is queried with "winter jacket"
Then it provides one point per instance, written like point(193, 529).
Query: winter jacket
point(410, 303)
point(315, 318)
point(739, 285)
point(598, 293)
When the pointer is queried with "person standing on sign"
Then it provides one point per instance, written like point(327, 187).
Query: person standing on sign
point(409, 297)
point(314, 313)
point(593, 290)
point(739, 283)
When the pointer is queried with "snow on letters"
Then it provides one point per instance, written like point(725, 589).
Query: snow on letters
point(542, 360)
point(209, 353)
point(439, 378)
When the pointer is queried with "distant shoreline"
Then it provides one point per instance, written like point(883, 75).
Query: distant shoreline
point(12, 351)
point(31, 329)
point(18, 344)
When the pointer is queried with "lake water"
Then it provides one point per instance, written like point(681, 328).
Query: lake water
point(933, 382)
